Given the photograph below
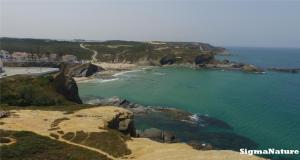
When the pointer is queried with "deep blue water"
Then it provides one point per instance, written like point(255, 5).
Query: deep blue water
point(262, 107)
point(265, 57)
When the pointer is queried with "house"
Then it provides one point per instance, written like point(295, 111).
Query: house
point(69, 58)
point(4, 55)
point(32, 57)
point(44, 58)
point(20, 56)
point(52, 57)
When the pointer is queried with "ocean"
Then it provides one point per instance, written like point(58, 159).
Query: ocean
point(262, 107)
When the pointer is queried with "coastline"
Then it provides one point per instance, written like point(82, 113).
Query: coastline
point(94, 120)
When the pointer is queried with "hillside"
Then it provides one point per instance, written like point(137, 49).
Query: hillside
point(151, 53)
point(117, 51)
point(44, 46)
point(22, 90)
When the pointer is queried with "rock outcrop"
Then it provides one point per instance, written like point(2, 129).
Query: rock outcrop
point(168, 59)
point(158, 135)
point(44, 90)
point(286, 70)
point(204, 59)
point(83, 70)
point(124, 123)
point(66, 85)
point(251, 68)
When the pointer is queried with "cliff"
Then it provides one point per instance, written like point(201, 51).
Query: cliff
point(82, 70)
point(151, 53)
point(24, 90)
point(86, 129)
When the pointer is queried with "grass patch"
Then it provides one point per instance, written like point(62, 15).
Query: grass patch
point(4, 140)
point(21, 90)
point(68, 136)
point(56, 122)
point(80, 136)
point(30, 146)
point(111, 142)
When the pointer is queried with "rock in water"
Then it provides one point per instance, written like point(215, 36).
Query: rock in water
point(251, 68)
point(124, 123)
point(152, 133)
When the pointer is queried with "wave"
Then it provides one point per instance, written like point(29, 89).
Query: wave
point(97, 80)
point(159, 73)
point(125, 72)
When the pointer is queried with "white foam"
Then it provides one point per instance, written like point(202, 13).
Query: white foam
point(159, 73)
point(194, 117)
point(125, 72)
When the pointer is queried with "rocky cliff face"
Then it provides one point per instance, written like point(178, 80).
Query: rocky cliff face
point(124, 123)
point(66, 85)
point(83, 70)
point(203, 59)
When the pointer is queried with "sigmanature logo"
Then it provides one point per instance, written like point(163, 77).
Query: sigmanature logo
point(269, 151)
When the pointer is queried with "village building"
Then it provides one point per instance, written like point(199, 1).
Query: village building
point(32, 57)
point(44, 58)
point(4, 55)
point(69, 58)
point(52, 57)
point(20, 56)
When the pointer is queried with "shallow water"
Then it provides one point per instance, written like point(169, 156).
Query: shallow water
point(262, 107)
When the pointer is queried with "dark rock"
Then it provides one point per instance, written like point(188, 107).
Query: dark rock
point(168, 59)
point(200, 145)
point(158, 135)
point(251, 68)
point(124, 123)
point(287, 70)
point(204, 59)
point(169, 137)
point(66, 85)
point(237, 65)
point(138, 133)
point(4, 114)
point(214, 122)
point(152, 133)
point(83, 70)
point(226, 61)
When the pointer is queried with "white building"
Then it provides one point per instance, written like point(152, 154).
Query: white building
point(4, 55)
point(20, 56)
point(69, 58)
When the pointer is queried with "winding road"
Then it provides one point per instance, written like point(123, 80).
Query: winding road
point(94, 59)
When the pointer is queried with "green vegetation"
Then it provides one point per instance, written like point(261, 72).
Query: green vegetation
point(30, 146)
point(112, 51)
point(28, 90)
point(56, 122)
point(44, 46)
point(111, 141)
point(133, 52)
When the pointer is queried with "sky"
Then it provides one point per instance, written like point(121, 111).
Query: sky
point(260, 23)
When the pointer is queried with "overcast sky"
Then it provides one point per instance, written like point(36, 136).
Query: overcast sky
point(224, 23)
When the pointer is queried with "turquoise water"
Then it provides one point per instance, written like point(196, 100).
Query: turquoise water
point(262, 107)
